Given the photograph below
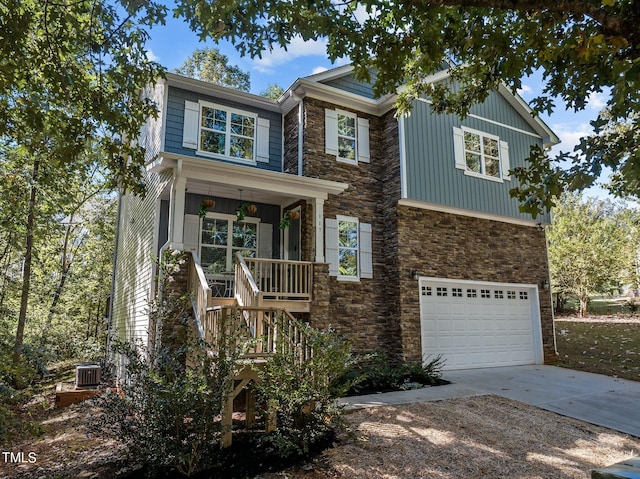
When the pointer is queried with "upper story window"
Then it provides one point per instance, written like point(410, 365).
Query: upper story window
point(346, 137)
point(347, 145)
point(481, 154)
point(227, 133)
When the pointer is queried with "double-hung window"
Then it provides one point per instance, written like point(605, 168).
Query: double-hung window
point(481, 154)
point(349, 248)
point(226, 133)
point(346, 137)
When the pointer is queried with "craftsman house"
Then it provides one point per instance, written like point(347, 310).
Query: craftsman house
point(398, 232)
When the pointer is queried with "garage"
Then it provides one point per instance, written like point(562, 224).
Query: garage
point(480, 324)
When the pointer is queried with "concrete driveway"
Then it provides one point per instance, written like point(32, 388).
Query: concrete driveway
point(597, 399)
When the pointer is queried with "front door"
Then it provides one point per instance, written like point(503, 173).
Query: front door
point(292, 236)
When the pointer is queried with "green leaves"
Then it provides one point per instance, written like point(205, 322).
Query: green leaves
point(588, 246)
point(581, 48)
point(208, 64)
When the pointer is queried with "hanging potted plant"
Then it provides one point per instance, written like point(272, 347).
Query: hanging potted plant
point(287, 217)
point(246, 209)
point(205, 205)
point(251, 209)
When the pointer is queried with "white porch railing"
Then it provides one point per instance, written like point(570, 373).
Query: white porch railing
point(281, 279)
point(200, 292)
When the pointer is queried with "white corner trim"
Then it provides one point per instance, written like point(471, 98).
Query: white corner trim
point(473, 214)
point(165, 103)
point(403, 157)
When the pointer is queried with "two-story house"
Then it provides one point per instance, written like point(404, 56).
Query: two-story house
point(400, 233)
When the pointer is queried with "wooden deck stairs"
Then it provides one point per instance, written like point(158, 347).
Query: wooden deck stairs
point(260, 320)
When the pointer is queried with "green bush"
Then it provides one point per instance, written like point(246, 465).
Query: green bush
point(168, 415)
point(378, 373)
point(303, 394)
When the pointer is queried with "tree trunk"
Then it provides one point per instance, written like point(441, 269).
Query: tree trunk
point(584, 305)
point(26, 272)
point(64, 272)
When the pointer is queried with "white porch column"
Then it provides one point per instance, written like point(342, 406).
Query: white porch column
point(318, 225)
point(176, 233)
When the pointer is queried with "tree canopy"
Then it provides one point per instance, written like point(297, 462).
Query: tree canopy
point(72, 72)
point(592, 248)
point(208, 64)
point(581, 47)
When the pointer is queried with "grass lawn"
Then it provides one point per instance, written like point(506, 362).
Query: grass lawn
point(601, 344)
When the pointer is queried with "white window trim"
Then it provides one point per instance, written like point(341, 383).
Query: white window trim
point(467, 171)
point(349, 219)
point(355, 137)
point(229, 111)
point(231, 219)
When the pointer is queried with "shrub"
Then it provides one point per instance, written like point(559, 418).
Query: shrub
point(303, 394)
point(168, 415)
point(377, 373)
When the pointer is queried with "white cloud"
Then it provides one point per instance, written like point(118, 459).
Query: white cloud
point(152, 56)
point(318, 70)
point(524, 90)
point(569, 134)
point(296, 49)
point(597, 101)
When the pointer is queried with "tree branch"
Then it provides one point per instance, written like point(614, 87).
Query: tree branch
point(608, 18)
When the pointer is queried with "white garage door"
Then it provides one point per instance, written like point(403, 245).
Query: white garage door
point(475, 325)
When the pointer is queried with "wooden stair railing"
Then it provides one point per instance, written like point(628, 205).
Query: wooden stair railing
point(270, 330)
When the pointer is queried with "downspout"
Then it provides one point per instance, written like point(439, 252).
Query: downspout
point(300, 130)
point(172, 218)
point(553, 319)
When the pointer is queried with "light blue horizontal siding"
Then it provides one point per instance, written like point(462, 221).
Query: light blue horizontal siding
point(430, 162)
point(175, 123)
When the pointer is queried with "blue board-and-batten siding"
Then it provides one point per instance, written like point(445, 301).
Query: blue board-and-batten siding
point(431, 175)
point(350, 84)
point(175, 123)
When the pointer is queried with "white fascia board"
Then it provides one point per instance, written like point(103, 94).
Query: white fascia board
point(304, 88)
point(206, 88)
point(249, 177)
point(331, 74)
point(474, 214)
point(548, 136)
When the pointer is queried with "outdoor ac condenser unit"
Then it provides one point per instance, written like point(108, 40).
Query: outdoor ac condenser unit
point(87, 374)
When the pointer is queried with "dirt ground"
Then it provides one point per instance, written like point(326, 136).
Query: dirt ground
point(467, 438)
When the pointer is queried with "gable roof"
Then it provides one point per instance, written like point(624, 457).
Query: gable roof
point(315, 86)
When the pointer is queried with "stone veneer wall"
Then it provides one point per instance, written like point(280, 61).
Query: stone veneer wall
point(290, 163)
point(319, 316)
point(359, 310)
point(444, 245)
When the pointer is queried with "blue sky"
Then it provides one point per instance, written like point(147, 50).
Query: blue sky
point(172, 44)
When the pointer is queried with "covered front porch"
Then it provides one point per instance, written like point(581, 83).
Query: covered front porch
point(251, 229)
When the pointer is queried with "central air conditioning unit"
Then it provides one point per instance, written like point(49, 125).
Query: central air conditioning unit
point(88, 375)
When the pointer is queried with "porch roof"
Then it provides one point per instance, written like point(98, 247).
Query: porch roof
point(225, 180)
